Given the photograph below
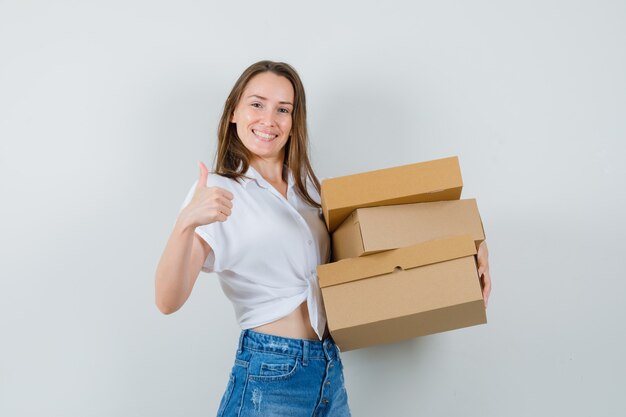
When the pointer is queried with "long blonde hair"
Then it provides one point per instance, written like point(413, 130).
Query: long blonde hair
point(233, 158)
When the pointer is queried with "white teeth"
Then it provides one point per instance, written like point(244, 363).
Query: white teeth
point(264, 135)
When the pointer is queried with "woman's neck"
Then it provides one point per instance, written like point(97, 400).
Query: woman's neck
point(270, 169)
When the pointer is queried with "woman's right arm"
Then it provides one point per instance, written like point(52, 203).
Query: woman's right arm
point(185, 251)
point(179, 266)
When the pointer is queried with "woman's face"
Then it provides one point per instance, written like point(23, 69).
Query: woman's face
point(264, 115)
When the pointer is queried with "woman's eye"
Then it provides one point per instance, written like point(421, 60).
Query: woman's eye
point(256, 105)
point(283, 110)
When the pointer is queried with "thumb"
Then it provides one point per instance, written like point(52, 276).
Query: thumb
point(204, 173)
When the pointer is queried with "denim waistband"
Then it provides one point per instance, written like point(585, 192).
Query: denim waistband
point(301, 348)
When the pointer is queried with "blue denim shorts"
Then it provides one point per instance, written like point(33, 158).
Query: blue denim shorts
point(278, 376)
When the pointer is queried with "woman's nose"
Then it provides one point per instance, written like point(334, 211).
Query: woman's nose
point(267, 118)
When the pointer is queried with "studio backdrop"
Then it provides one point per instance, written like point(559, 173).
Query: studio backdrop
point(106, 108)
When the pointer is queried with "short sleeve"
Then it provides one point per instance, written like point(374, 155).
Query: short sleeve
point(201, 231)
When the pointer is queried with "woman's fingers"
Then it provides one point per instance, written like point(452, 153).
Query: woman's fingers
point(222, 204)
point(204, 173)
point(223, 209)
point(484, 276)
point(224, 199)
point(214, 203)
point(221, 217)
point(483, 252)
point(225, 193)
point(486, 284)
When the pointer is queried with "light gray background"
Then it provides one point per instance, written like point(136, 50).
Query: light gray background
point(106, 107)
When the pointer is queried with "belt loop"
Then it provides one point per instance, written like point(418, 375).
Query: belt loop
point(241, 336)
point(305, 352)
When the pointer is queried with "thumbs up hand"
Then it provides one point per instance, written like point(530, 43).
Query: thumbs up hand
point(208, 204)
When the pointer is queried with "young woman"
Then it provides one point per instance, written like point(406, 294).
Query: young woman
point(256, 221)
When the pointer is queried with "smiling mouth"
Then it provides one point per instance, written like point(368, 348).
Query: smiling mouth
point(265, 137)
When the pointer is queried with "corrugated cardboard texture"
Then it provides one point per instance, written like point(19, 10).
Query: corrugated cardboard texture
point(405, 304)
point(435, 180)
point(375, 229)
point(386, 262)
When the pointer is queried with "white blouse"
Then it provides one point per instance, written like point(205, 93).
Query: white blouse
point(266, 253)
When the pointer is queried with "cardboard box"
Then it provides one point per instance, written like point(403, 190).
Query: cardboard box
point(402, 293)
point(376, 229)
point(435, 180)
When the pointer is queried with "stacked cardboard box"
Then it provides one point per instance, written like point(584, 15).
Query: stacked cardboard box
point(403, 252)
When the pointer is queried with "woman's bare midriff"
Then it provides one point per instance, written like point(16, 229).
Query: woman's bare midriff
point(295, 325)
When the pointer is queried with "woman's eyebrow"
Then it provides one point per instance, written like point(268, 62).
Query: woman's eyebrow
point(263, 98)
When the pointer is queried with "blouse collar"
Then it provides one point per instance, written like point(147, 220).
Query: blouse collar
point(253, 175)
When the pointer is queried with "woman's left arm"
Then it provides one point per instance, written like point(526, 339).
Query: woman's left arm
point(483, 270)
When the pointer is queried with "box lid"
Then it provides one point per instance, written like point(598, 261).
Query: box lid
point(435, 180)
point(413, 256)
point(375, 229)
